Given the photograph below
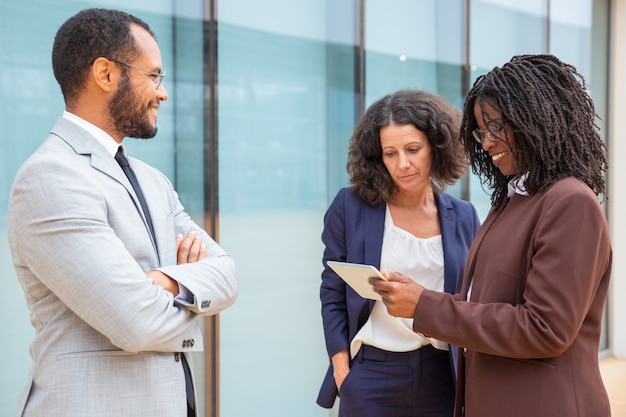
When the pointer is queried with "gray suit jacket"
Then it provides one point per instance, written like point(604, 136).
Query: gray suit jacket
point(105, 337)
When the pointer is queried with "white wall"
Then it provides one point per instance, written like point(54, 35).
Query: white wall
point(617, 176)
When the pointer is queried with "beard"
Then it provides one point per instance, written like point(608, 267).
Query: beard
point(128, 115)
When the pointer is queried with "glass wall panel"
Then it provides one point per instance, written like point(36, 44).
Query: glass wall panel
point(286, 109)
point(415, 44)
point(598, 83)
point(579, 36)
point(29, 104)
point(500, 29)
point(31, 101)
point(570, 32)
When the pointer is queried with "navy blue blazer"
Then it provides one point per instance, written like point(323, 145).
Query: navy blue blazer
point(353, 232)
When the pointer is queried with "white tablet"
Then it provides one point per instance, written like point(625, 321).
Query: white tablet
point(356, 275)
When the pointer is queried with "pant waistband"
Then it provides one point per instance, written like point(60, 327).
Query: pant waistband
point(367, 352)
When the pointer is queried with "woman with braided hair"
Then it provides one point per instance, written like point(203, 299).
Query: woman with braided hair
point(528, 316)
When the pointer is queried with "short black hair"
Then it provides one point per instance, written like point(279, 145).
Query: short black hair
point(87, 36)
point(429, 113)
point(545, 105)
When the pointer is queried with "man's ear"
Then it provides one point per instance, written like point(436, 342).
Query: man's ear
point(105, 74)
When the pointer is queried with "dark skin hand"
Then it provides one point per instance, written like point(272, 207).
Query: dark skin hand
point(400, 293)
point(189, 249)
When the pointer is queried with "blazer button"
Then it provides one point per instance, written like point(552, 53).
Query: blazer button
point(188, 343)
point(205, 304)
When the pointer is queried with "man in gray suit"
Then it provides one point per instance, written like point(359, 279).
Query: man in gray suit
point(115, 273)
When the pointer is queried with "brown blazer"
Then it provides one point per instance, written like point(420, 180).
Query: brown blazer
point(540, 269)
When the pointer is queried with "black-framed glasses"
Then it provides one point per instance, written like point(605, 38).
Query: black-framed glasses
point(158, 77)
point(492, 132)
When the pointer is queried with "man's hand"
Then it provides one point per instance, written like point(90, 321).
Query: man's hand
point(189, 248)
point(164, 281)
point(400, 294)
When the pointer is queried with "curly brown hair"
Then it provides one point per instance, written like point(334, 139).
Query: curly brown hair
point(429, 113)
point(545, 105)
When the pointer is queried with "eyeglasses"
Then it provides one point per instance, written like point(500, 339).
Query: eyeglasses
point(158, 77)
point(492, 132)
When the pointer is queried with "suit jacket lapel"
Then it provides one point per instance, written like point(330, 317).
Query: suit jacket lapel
point(84, 144)
point(447, 223)
point(478, 240)
point(373, 227)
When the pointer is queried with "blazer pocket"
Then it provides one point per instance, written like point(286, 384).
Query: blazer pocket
point(95, 354)
point(344, 385)
point(537, 362)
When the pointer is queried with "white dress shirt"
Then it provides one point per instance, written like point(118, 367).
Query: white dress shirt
point(422, 261)
point(101, 136)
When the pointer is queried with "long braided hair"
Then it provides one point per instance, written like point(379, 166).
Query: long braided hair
point(545, 105)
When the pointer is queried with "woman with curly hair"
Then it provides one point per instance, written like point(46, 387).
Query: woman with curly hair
point(529, 312)
point(403, 153)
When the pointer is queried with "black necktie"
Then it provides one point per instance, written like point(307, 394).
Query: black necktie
point(130, 174)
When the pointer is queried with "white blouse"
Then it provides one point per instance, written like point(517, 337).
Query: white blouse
point(422, 261)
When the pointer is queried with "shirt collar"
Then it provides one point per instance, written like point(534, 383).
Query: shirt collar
point(101, 136)
point(516, 186)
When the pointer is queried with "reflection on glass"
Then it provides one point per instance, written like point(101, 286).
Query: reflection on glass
point(286, 111)
point(403, 54)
